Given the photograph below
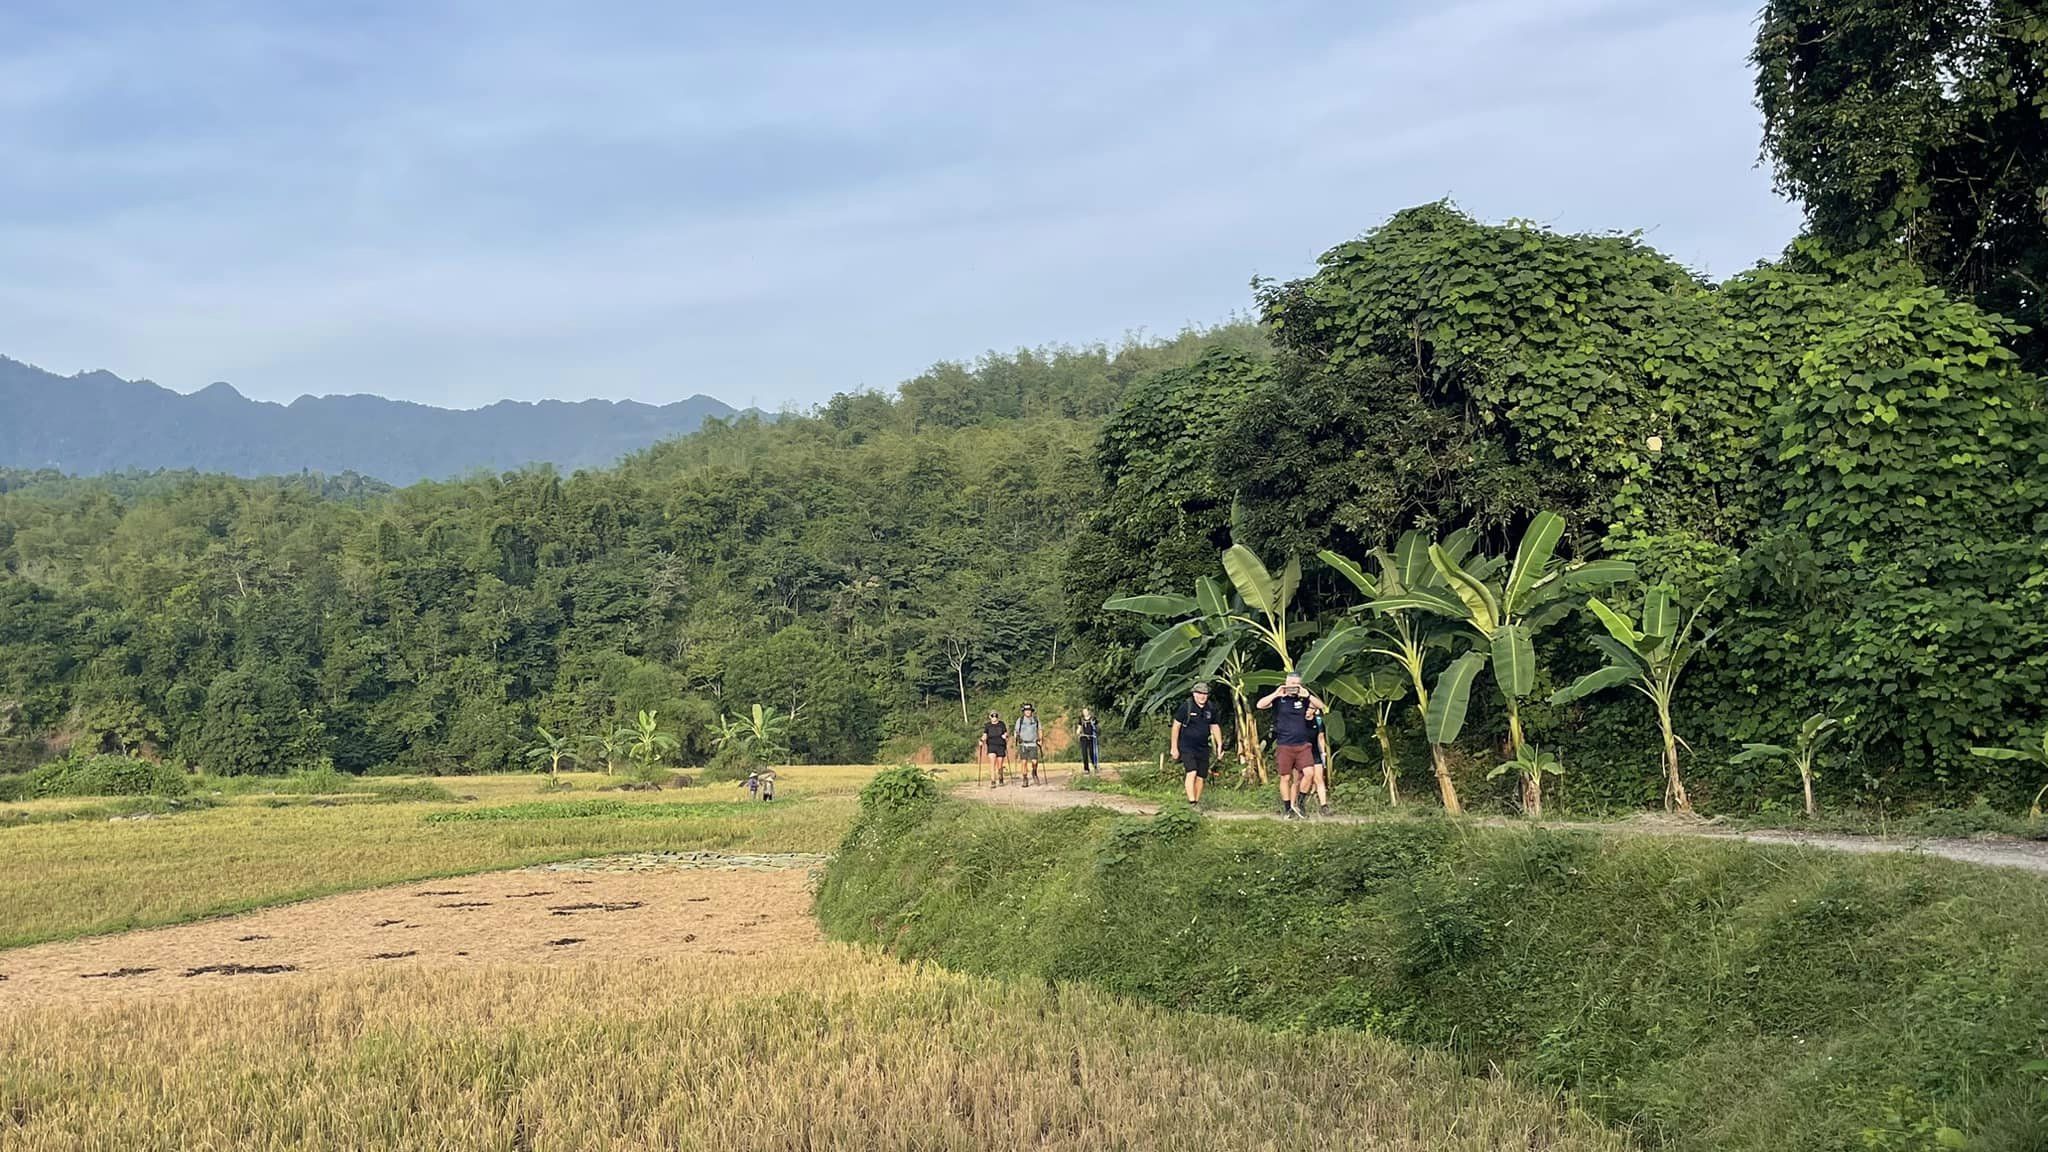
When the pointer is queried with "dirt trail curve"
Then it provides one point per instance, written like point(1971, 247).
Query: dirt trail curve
point(2025, 855)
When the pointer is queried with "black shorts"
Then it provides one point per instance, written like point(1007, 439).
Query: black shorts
point(999, 748)
point(1195, 759)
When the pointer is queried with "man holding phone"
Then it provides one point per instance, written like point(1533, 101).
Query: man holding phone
point(1294, 752)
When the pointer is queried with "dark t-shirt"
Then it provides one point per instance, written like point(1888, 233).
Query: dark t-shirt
point(1290, 721)
point(1089, 728)
point(996, 733)
point(1195, 720)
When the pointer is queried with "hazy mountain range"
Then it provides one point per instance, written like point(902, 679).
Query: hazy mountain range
point(97, 422)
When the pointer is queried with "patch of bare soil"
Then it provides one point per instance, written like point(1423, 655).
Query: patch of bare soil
point(630, 915)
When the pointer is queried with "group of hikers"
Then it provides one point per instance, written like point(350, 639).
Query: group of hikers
point(993, 748)
point(1301, 745)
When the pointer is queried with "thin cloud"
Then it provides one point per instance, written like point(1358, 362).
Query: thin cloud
point(481, 203)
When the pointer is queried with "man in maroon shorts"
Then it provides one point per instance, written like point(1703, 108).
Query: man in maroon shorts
point(1294, 750)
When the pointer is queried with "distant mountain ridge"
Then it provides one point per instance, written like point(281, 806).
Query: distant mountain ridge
point(97, 422)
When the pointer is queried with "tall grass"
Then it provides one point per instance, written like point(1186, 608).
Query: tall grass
point(826, 1048)
point(1710, 995)
point(60, 880)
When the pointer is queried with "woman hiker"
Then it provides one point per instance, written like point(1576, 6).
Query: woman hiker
point(995, 744)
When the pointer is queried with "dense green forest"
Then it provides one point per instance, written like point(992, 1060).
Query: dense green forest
point(854, 568)
point(1840, 458)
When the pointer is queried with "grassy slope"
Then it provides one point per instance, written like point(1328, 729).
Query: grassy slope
point(1710, 995)
point(829, 1047)
point(60, 880)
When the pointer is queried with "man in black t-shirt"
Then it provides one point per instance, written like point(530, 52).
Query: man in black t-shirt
point(1193, 741)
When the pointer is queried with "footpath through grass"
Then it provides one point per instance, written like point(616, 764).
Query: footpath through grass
point(1708, 995)
point(84, 876)
point(828, 1047)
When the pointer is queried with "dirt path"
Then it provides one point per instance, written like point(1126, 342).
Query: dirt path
point(2026, 855)
point(636, 907)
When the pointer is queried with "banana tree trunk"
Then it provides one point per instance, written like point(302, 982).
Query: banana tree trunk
point(1439, 760)
point(1386, 739)
point(1806, 785)
point(1532, 788)
point(1254, 762)
point(1674, 785)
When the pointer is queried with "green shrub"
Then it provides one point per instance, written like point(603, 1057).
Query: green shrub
point(1709, 995)
point(14, 787)
point(105, 776)
point(413, 792)
point(895, 798)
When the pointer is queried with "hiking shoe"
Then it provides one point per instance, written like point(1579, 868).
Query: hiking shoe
point(1322, 809)
point(1294, 814)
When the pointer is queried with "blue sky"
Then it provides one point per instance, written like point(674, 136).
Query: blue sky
point(770, 203)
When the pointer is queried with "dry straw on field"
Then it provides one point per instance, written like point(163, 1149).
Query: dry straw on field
point(829, 1047)
point(62, 880)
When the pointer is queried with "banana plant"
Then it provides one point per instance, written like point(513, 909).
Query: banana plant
point(1503, 617)
point(1380, 692)
point(762, 732)
point(1408, 634)
point(1258, 591)
point(645, 741)
point(2037, 755)
point(1210, 633)
point(1649, 659)
point(1203, 641)
point(553, 749)
point(1531, 765)
point(608, 748)
point(1813, 735)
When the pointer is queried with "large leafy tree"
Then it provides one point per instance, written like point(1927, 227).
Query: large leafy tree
point(1918, 123)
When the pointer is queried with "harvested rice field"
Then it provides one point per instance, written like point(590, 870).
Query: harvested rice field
point(636, 908)
point(801, 1045)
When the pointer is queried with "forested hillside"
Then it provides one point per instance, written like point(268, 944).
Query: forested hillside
point(853, 568)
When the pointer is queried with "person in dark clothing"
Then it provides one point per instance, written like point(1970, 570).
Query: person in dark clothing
point(1317, 779)
point(995, 744)
point(1294, 739)
point(1090, 732)
point(1195, 742)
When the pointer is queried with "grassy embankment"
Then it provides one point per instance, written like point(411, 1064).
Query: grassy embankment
point(1708, 995)
point(269, 843)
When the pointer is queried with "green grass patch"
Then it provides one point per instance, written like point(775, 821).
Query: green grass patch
point(1978, 822)
point(1707, 995)
point(591, 809)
